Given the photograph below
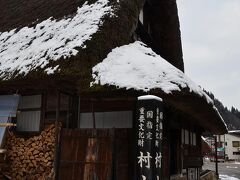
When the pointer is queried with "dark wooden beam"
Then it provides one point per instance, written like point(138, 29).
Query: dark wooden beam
point(56, 158)
point(216, 157)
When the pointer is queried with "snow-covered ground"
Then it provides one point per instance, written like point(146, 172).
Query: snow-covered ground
point(227, 170)
point(226, 177)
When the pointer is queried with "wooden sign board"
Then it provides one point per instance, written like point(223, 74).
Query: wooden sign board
point(148, 135)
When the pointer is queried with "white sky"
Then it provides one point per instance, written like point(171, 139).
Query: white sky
point(210, 32)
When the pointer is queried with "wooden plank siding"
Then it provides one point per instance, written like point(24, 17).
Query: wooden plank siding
point(101, 154)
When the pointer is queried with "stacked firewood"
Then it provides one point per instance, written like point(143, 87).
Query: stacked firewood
point(31, 158)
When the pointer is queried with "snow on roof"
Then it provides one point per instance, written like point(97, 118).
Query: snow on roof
point(136, 66)
point(30, 47)
point(215, 109)
point(203, 138)
point(147, 97)
point(234, 131)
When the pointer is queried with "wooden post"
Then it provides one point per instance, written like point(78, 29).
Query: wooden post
point(79, 112)
point(56, 158)
point(68, 110)
point(113, 153)
point(75, 112)
point(216, 157)
point(224, 147)
point(93, 117)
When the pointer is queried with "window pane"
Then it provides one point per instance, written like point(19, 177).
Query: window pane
point(194, 139)
point(8, 109)
point(29, 121)
point(2, 129)
point(182, 136)
point(30, 113)
point(27, 102)
point(186, 137)
point(236, 153)
point(191, 138)
point(117, 119)
point(8, 105)
point(235, 143)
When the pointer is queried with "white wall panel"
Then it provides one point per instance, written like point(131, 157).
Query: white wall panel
point(117, 119)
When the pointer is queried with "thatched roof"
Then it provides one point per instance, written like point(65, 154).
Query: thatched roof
point(51, 27)
point(31, 48)
point(55, 44)
point(58, 46)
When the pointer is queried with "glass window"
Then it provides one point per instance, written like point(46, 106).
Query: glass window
point(186, 133)
point(8, 110)
point(29, 121)
point(29, 102)
point(8, 105)
point(194, 139)
point(115, 119)
point(235, 144)
point(30, 113)
point(65, 110)
point(182, 134)
point(191, 138)
point(236, 153)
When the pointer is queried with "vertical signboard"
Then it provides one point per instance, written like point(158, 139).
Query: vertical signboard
point(148, 135)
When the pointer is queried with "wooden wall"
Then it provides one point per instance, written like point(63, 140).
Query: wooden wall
point(101, 154)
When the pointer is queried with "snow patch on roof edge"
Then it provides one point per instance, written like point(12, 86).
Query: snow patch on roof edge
point(149, 97)
point(215, 109)
point(234, 131)
point(28, 48)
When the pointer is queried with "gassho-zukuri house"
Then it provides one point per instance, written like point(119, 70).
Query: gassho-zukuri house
point(96, 90)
